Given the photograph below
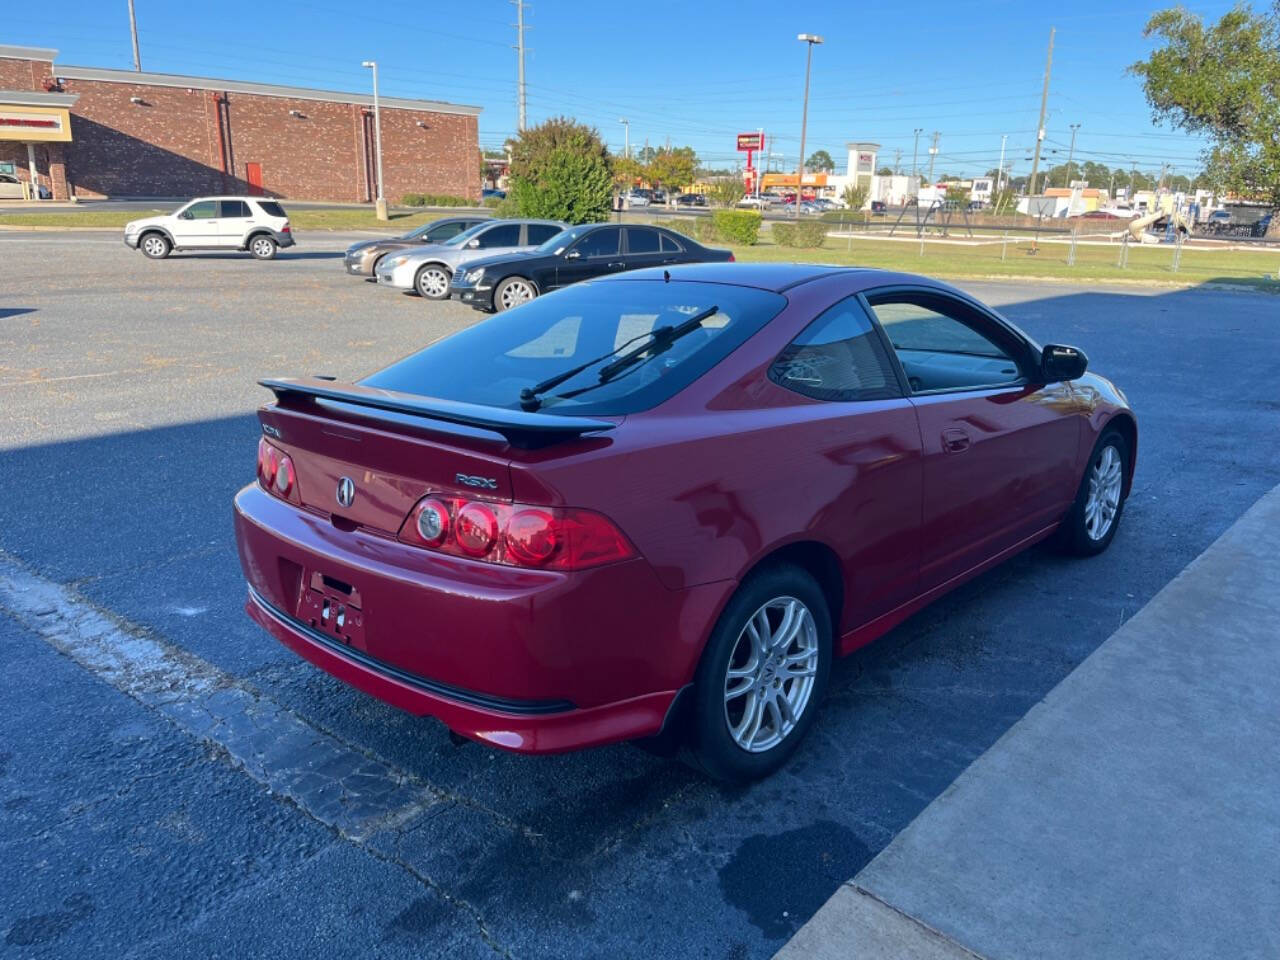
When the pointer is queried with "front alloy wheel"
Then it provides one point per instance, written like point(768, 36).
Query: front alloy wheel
point(1090, 524)
point(512, 292)
point(155, 246)
point(433, 282)
point(761, 676)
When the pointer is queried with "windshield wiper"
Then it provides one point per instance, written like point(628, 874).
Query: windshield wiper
point(660, 337)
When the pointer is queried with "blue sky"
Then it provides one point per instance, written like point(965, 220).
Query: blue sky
point(696, 73)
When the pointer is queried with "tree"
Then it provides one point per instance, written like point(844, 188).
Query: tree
point(884, 172)
point(820, 162)
point(561, 170)
point(855, 195)
point(1221, 81)
point(727, 191)
point(626, 171)
point(675, 167)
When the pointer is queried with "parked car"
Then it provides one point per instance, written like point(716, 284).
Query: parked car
point(658, 504)
point(488, 192)
point(1098, 215)
point(637, 200)
point(756, 202)
point(659, 196)
point(11, 188)
point(1219, 218)
point(1263, 224)
point(362, 258)
point(428, 270)
point(579, 253)
point(255, 224)
point(691, 200)
point(879, 207)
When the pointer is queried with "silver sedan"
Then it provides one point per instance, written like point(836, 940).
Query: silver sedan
point(428, 270)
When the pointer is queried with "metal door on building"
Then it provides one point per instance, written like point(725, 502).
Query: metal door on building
point(253, 174)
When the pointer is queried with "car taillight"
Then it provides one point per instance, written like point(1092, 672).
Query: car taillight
point(732, 258)
point(516, 535)
point(285, 229)
point(276, 472)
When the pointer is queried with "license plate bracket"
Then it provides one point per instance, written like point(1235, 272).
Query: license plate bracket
point(333, 607)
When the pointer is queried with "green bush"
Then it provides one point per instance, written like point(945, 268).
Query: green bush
point(434, 200)
point(804, 233)
point(505, 209)
point(737, 226)
point(685, 226)
point(561, 170)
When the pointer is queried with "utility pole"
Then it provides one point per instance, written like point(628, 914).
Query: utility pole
point(915, 152)
point(897, 162)
point(133, 28)
point(809, 39)
point(626, 126)
point(520, 97)
point(1000, 169)
point(1044, 103)
point(380, 205)
point(1072, 152)
point(933, 155)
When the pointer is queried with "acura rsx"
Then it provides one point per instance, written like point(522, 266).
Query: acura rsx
point(654, 506)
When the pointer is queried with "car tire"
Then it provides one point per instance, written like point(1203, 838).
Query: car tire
point(512, 292)
point(755, 697)
point(432, 282)
point(262, 247)
point(155, 246)
point(1090, 525)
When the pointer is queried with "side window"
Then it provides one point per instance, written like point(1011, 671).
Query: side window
point(445, 230)
point(643, 240)
point(507, 235)
point(228, 209)
point(204, 210)
point(669, 244)
point(541, 232)
point(945, 344)
point(600, 243)
point(837, 357)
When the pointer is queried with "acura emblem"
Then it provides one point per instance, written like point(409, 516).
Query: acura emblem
point(346, 491)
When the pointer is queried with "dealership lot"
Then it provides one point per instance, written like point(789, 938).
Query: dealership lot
point(145, 827)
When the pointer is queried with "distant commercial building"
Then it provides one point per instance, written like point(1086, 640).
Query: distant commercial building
point(88, 132)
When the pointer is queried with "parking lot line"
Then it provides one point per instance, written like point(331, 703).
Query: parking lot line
point(335, 782)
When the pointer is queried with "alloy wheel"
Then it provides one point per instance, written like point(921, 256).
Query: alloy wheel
point(153, 246)
point(262, 247)
point(1103, 500)
point(515, 292)
point(771, 674)
point(433, 283)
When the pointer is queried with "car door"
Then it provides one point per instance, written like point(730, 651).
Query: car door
point(644, 248)
point(596, 253)
point(502, 237)
point(998, 447)
point(196, 225)
point(233, 222)
point(856, 456)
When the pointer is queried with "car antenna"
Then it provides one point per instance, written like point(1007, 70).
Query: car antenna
point(666, 276)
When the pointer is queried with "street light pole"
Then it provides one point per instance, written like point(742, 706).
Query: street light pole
point(811, 39)
point(380, 205)
point(915, 153)
point(626, 125)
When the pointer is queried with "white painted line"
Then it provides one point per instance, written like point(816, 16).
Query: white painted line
point(337, 783)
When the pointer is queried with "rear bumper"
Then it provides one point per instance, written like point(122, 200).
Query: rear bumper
point(531, 661)
point(283, 239)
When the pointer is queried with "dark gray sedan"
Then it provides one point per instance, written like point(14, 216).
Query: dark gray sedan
point(363, 257)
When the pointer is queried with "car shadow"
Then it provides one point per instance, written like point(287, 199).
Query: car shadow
point(245, 255)
point(566, 846)
point(6, 312)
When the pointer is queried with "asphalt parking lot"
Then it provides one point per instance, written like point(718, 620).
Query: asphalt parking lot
point(132, 828)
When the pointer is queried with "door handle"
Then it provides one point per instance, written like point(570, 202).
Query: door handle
point(954, 440)
point(617, 264)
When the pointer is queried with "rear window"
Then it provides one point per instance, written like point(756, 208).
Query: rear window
point(491, 362)
point(272, 209)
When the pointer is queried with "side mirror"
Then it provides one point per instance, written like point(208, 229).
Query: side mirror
point(572, 254)
point(1058, 363)
point(185, 215)
point(473, 244)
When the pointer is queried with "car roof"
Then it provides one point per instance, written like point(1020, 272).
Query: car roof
point(776, 277)
point(234, 196)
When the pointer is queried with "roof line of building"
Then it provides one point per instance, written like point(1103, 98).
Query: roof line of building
point(8, 52)
point(28, 98)
point(262, 89)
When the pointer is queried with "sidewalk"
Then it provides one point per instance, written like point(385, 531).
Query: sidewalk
point(1134, 813)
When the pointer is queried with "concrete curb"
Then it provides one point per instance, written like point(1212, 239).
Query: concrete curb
point(1130, 815)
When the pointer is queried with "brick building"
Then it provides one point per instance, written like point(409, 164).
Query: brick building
point(88, 132)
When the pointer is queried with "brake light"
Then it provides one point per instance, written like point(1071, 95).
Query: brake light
point(276, 472)
point(285, 229)
point(516, 535)
point(732, 258)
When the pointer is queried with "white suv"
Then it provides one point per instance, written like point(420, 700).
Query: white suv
point(238, 223)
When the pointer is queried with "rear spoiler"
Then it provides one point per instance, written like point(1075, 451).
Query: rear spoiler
point(519, 427)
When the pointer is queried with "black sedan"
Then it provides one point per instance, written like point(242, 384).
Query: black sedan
point(579, 253)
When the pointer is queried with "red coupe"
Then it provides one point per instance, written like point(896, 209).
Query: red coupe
point(657, 505)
